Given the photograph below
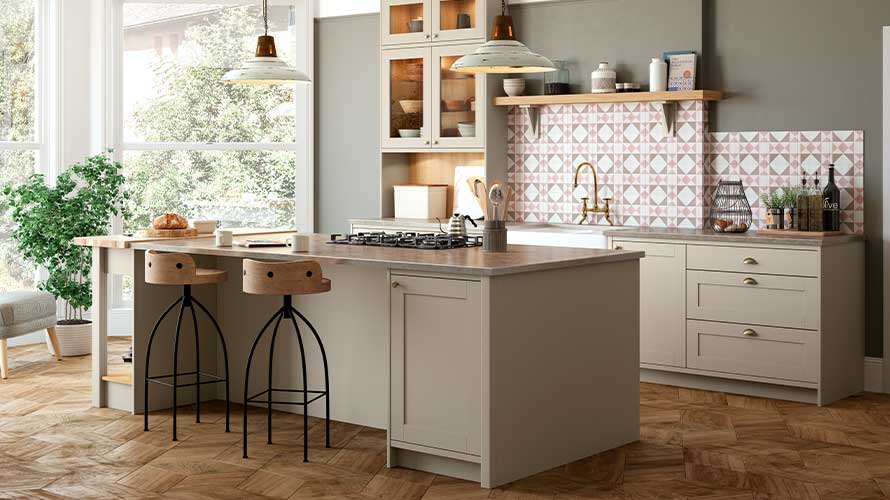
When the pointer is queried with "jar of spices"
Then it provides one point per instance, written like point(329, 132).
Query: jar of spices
point(557, 82)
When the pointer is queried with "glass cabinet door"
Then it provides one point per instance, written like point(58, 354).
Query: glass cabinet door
point(405, 21)
point(458, 19)
point(406, 115)
point(457, 99)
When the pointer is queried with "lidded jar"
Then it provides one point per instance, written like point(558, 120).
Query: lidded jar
point(602, 80)
point(557, 82)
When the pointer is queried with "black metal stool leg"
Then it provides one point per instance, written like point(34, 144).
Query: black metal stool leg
point(151, 339)
point(247, 374)
point(176, 363)
point(287, 303)
point(269, 394)
point(197, 365)
point(222, 341)
point(324, 359)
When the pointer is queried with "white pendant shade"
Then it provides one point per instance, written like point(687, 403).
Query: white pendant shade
point(503, 56)
point(265, 71)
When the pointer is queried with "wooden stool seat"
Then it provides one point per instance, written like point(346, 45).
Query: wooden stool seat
point(178, 269)
point(284, 278)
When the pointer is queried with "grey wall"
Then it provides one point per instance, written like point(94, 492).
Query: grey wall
point(626, 33)
point(805, 65)
point(789, 65)
point(347, 123)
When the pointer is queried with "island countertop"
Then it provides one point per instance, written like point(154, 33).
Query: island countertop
point(518, 258)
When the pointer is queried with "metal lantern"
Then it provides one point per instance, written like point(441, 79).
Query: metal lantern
point(730, 211)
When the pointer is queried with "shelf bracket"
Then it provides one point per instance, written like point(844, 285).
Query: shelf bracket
point(668, 117)
point(533, 112)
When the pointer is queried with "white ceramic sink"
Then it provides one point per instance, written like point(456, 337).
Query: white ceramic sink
point(558, 235)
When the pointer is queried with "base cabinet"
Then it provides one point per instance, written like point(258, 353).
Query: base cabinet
point(435, 379)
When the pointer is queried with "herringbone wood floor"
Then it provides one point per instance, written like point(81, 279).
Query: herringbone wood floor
point(695, 445)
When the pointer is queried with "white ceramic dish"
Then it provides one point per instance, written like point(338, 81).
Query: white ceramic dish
point(514, 86)
point(411, 106)
point(467, 129)
point(409, 132)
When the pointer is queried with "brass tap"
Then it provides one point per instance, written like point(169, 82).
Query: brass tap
point(585, 209)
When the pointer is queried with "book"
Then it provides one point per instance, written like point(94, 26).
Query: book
point(681, 72)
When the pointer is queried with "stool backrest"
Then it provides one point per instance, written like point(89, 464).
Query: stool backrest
point(169, 268)
point(283, 278)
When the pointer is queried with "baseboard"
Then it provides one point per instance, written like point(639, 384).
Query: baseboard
point(874, 376)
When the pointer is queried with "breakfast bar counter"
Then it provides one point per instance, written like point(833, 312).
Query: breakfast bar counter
point(484, 366)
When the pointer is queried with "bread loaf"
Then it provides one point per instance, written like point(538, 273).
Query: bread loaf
point(170, 221)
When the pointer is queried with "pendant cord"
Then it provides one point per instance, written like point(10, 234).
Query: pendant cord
point(503, 7)
point(266, 16)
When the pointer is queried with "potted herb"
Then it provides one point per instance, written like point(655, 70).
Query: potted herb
point(47, 218)
point(789, 196)
point(774, 202)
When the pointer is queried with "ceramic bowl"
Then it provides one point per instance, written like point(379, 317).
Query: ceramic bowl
point(467, 129)
point(454, 105)
point(415, 25)
point(204, 226)
point(412, 106)
point(514, 86)
point(409, 132)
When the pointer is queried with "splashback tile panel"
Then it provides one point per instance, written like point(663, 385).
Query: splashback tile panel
point(659, 181)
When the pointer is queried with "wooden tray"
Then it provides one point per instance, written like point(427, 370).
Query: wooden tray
point(793, 233)
point(169, 233)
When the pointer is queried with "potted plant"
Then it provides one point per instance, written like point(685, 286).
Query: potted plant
point(774, 202)
point(46, 220)
point(789, 197)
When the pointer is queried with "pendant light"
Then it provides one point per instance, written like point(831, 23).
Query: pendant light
point(265, 68)
point(503, 53)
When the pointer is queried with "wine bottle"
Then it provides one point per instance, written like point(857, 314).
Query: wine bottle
point(816, 204)
point(802, 208)
point(831, 195)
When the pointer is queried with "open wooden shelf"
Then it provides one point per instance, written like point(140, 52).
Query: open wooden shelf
point(122, 377)
point(542, 100)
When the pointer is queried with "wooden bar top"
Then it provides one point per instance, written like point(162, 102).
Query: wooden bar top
point(122, 242)
point(518, 258)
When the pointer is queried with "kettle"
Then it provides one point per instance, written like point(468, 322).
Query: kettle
point(457, 226)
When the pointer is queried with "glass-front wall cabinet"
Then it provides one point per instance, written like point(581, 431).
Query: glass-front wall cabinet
point(456, 96)
point(416, 21)
point(407, 121)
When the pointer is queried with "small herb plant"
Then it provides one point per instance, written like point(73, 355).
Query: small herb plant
point(790, 195)
point(47, 218)
point(775, 199)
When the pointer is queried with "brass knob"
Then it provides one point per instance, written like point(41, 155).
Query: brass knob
point(427, 35)
point(749, 261)
point(619, 247)
point(435, 142)
point(749, 281)
point(436, 35)
point(749, 332)
point(426, 142)
point(395, 284)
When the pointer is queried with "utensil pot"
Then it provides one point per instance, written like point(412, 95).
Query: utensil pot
point(494, 236)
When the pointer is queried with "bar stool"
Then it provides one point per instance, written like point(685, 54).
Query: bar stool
point(179, 269)
point(286, 279)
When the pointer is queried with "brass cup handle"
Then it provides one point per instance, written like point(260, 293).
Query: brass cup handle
point(749, 332)
point(395, 284)
point(749, 261)
point(749, 281)
point(619, 247)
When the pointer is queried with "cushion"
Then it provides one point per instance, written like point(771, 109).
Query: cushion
point(26, 311)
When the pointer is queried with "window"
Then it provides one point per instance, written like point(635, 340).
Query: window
point(192, 144)
point(21, 140)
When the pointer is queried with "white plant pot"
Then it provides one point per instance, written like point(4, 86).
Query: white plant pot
point(74, 340)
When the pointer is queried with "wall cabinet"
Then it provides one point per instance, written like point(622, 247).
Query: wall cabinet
point(428, 106)
point(663, 321)
point(435, 379)
point(419, 21)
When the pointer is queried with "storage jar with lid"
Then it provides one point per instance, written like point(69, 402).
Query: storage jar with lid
point(557, 82)
point(602, 80)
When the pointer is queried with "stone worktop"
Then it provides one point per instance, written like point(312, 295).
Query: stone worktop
point(473, 261)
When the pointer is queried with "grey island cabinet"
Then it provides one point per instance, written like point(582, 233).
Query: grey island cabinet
point(484, 366)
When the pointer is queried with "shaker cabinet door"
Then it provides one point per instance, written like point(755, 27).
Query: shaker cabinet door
point(435, 363)
point(662, 302)
point(458, 101)
point(407, 96)
point(405, 21)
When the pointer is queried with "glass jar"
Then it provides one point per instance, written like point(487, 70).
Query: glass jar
point(557, 82)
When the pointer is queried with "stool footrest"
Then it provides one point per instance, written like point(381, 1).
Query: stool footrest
point(318, 395)
point(214, 379)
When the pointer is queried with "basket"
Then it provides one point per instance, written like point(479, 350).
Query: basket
point(730, 210)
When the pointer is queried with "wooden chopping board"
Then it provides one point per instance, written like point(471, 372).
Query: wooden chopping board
point(791, 233)
point(169, 233)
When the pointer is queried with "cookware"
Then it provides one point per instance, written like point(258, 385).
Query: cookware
point(457, 226)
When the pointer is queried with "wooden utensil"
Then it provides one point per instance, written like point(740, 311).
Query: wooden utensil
point(494, 216)
point(508, 200)
point(496, 196)
point(474, 183)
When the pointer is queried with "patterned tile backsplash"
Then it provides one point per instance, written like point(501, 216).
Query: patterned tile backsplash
point(660, 181)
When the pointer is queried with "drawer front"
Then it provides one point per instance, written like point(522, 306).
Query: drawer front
point(759, 299)
point(753, 260)
point(778, 353)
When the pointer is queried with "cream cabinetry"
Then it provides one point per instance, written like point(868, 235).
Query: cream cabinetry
point(419, 21)
point(662, 318)
point(435, 379)
point(773, 319)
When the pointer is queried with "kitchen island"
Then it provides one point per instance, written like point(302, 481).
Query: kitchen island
point(484, 366)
